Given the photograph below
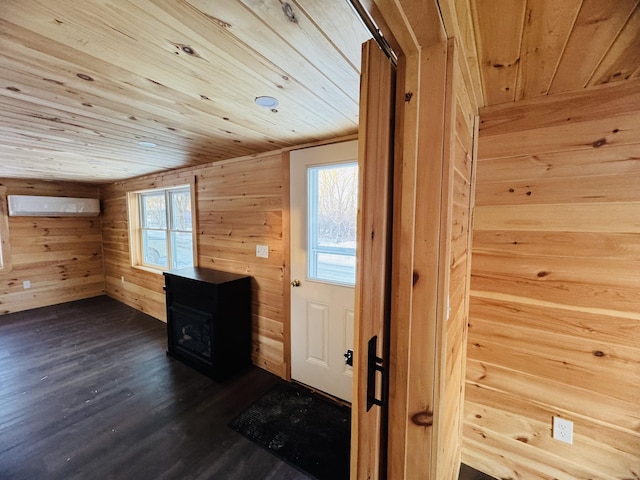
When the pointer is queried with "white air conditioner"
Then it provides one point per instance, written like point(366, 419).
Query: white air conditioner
point(38, 206)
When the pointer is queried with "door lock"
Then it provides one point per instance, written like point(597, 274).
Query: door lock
point(349, 357)
point(295, 283)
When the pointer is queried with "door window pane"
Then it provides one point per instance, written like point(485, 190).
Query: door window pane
point(332, 222)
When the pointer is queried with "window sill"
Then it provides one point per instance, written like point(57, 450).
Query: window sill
point(149, 269)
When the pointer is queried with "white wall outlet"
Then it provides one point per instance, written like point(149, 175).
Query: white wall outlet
point(563, 430)
point(262, 251)
point(26, 284)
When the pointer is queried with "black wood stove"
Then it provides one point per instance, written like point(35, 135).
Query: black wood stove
point(209, 320)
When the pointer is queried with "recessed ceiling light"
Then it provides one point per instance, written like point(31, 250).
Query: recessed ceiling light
point(147, 144)
point(267, 102)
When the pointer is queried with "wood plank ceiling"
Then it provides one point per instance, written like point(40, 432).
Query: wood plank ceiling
point(82, 83)
point(522, 49)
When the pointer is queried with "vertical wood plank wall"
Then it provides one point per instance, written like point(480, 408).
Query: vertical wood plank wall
point(555, 300)
point(239, 204)
point(431, 214)
point(459, 143)
point(61, 257)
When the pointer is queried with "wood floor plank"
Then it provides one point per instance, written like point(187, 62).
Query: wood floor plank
point(86, 391)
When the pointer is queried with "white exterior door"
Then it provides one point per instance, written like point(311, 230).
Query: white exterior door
point(324, 196)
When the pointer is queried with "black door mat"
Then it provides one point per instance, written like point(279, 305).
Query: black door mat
point(303, 428)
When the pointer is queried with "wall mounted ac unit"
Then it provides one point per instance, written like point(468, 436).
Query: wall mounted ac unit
point(38, 206)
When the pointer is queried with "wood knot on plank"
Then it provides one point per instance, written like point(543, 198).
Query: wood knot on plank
point(220, 22)
point(543, 274)
point(423, 419)
point(599, 353)
point(84, 77)
point(408, 96)
point(189, 50)
point(289, 13)
point(599, 143)
point(416, 277)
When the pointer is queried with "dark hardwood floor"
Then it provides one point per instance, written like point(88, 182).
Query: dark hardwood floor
point(87, 392)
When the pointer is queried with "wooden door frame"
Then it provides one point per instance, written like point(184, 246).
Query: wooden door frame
point(418, 301)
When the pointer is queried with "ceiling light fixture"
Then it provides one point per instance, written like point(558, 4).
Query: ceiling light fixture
point(267, 102)
point(147, 144)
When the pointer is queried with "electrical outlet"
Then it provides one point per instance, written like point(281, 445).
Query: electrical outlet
point(26, 284)
point(563, 430)
point(262, 251)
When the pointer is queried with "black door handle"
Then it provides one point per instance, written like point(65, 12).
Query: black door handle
point(374, 364)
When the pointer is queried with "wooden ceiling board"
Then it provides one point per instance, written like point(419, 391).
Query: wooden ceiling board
point(187, 74)
point(89, 80)
point(152, 120)
point(339, 26)
point(596, 27)
point(547, 26)
point(291, 45)
point(498, 26)
point(304, 37)
point(109, 124)
point(623, 58)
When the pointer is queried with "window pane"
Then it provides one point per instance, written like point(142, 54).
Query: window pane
point(337, 205)
point(154, 247)
point(180, 210)
point(181, 250)
point(332, 218)
point(337, 268)
point(153, 210)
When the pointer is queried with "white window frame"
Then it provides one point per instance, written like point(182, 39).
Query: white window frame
point(5, 243)
point(135, 226)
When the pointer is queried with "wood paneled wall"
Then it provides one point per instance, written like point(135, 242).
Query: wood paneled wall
point(239, 204)
point(555, 301)
point(459, 145)
point(60, 256)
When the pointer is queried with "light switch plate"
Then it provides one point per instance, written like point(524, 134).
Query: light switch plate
point(262, 251)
